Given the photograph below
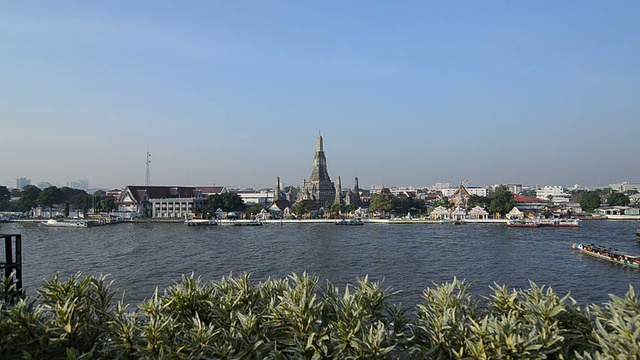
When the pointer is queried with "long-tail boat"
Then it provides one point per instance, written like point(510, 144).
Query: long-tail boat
point(610, 254)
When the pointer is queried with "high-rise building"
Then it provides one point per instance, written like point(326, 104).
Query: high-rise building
point(22, 182)
point(80, 184)
point(319, 187)
point(45, 184)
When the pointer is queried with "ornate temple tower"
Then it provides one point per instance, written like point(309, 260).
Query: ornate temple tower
point(319, 188)
point(356, 194)
point(338, 199)
point(277, 195)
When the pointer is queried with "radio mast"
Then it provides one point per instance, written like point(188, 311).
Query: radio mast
point(147, 181)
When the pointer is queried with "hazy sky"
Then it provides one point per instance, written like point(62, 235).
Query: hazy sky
point(404, 92)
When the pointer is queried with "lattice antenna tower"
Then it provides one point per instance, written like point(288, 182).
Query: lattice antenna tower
point(147, 181)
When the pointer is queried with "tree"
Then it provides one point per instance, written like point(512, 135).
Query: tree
point(79, 201)
point(108, 204)
point(254, 209)
point(618, 199)
point(50, 196)
point(444, 202)
point(589, 201)
point(97, 201)
point(66, 209)
point(476, 200)
point(334, 208)
point(382, 202)
point(5, 194)
point(71, 193)
point(29, 197)
point(404, 204)
point(299, 209)
point(226, 202)
point(501, 200)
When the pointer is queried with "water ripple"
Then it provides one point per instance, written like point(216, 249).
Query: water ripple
point(410, 258)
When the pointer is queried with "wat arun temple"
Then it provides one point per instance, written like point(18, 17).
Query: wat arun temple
point(320, 188)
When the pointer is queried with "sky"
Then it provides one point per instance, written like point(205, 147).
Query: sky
point(404, 93)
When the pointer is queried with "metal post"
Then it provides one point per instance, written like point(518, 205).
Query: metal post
point(12, 266)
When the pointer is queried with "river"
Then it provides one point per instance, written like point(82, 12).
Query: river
point(409, 258)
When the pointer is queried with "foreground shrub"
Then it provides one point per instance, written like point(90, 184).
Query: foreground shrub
point(296, 318)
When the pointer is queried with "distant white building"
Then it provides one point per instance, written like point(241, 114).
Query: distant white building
point(554, 193)
point(514, 188)
point(262, 197)
point(22, 182)
point(440, 186)
point(405, 191)
point(478, 191)
point(80, 184)
point(43, 185)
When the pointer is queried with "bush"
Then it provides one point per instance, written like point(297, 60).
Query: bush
point(294, 317)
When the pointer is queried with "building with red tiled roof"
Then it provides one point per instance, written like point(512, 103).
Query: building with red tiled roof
point(165, 201)
point(529, 203)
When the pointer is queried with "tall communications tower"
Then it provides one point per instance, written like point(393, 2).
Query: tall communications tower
point(147, 181)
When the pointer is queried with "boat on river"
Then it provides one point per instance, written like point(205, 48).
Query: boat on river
point(247, 223)
point(200, 222)
point(65, 223)
point(559, 222)
point(523, 223)
point(350, 222)
point(535, 223)
point(609, 254)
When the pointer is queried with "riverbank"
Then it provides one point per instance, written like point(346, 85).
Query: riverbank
point(315, 221)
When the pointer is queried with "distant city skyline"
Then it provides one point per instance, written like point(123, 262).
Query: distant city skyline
point(405, 93)
point(347, 182)
point(84, 185)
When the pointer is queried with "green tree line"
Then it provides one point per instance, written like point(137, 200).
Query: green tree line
point(297, 318)
point(500, 201)
point(591, 200)
point(31, 197)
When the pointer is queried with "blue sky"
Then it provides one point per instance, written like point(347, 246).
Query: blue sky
point(404, 92)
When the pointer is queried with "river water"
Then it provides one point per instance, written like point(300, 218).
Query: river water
point(409, 258)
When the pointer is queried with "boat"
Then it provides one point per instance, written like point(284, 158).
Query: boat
point(559, 222)
point(247, 223)
point(200, 222)
point(610, 254)
point(535, 223)
point(522, 223)
point(350, 222)
point(65, 223)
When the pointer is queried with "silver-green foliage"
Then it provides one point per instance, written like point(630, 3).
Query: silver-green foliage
point(295, 318)
point(617, 328)
point(67, 319)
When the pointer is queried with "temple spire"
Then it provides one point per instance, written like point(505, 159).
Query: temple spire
point(276, 196)
point(319, 145)
point(320, 187)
